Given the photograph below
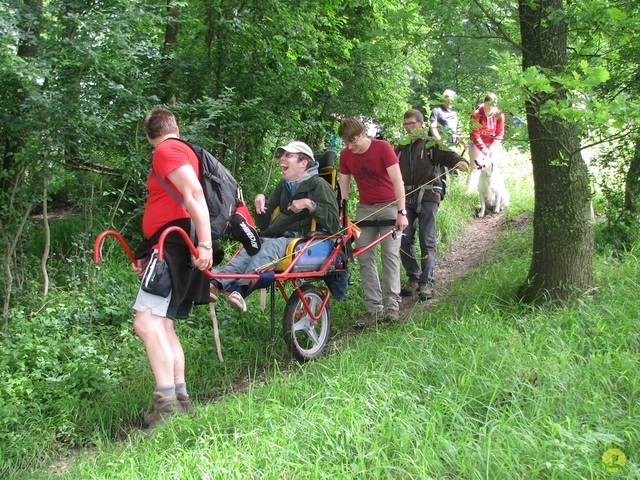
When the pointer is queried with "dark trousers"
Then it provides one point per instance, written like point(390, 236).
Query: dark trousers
point(425, 224)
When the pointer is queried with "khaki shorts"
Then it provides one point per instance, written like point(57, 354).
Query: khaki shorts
point(160, 305)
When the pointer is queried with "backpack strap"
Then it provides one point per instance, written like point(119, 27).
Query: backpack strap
point(168, 189)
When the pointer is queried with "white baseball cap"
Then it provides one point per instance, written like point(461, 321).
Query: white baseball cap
point(296, 147)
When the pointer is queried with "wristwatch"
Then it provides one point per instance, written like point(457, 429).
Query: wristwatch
point(402, 212)
point(206, 245)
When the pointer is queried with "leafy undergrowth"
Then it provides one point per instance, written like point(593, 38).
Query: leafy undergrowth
point(473, 386)
point(476, 386)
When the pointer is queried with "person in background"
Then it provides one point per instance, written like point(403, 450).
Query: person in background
point(374, 166)
point(177, 164)
point(517, 121)
point(423, 166)
point(487, 133)
point(300, 197)
point(444, 122)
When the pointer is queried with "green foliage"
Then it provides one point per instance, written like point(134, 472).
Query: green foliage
point(418, 134)
point(477, 385)
point(243, 80)
point(57, 373)
point(76, 80)
point(474, 52)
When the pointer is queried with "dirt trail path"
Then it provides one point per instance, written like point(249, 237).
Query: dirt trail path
point(469, 251)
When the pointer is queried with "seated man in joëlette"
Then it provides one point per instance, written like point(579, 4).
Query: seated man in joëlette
point(302, 196)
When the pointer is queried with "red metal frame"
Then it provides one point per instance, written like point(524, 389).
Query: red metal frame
point(305, 304)
point(279, 278)
point(97, 247)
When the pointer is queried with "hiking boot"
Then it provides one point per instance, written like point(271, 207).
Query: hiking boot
point(409, 289)
point(391, 316)
point(236, 302)
point(369, 319)
point(213, 293)
point(163, 407)
point(426, 292)
point(184, 403)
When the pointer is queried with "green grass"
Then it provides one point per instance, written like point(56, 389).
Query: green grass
point(475, 386)
point(479, 387)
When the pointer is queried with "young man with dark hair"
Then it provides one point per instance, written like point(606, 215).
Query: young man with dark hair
point(374, 166)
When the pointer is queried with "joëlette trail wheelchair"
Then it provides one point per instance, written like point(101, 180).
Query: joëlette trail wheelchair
point(313, 266)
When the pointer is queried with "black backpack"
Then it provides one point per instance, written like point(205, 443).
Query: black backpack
point(220, 190)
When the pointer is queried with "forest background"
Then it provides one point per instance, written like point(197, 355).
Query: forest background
point(78, 77)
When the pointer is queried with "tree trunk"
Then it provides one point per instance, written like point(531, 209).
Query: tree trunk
point(47, 239)
point(562, 230)
point(168, 66)
point(632, 188)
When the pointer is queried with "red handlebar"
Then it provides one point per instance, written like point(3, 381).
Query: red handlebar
point(186, 238)
point(97, 247)
point(97, 250)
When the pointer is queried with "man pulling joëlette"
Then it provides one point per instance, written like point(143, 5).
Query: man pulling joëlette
point(177, 164)
point(423, 167)
point(374, 167)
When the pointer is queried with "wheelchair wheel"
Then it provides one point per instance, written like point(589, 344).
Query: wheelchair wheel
point(305, 337)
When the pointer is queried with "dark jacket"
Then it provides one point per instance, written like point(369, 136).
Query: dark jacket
point(428, 163)
point(325, 214)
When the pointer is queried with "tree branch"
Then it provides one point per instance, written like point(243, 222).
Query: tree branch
point(88, 166)
point(498, 25)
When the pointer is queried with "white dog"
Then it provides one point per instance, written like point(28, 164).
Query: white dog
point(491, 189)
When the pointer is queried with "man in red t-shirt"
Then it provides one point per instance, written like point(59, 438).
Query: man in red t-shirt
point(177, 164)
point(374, 166)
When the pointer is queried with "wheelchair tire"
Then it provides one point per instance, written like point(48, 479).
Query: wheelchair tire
point(305, 338)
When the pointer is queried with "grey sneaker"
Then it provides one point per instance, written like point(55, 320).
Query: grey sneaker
point(409, 289)
point(391, 316)
point(236, 302)
point(368, 319)
point(426, 292)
